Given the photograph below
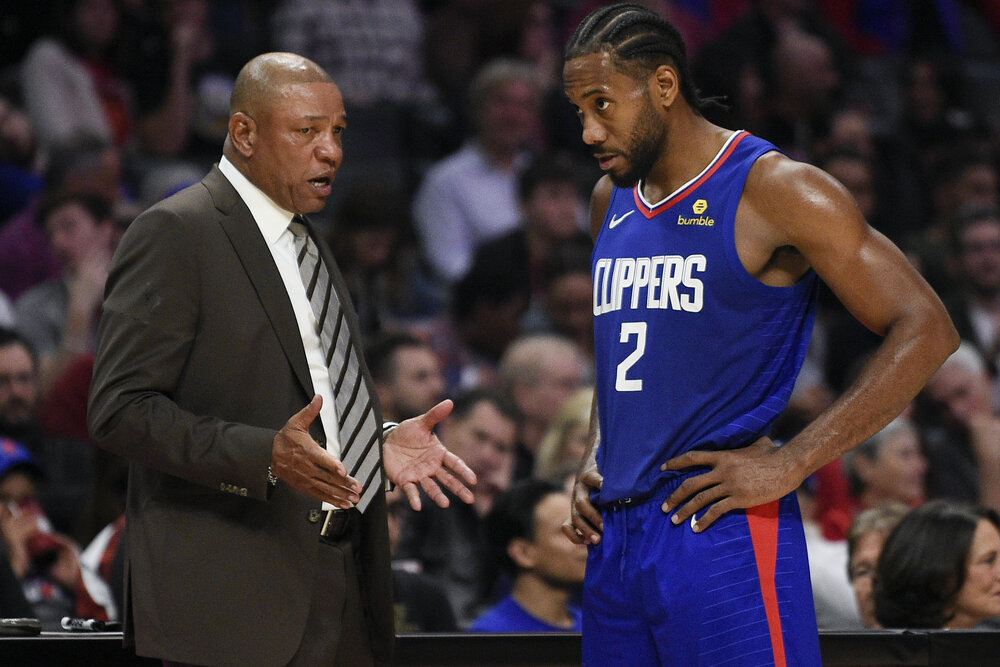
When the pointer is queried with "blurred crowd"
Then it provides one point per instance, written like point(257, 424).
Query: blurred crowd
point(458, 220)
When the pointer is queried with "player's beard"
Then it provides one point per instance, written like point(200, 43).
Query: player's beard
point(646, 142)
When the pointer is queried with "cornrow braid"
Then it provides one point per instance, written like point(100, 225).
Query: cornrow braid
point(638, 40)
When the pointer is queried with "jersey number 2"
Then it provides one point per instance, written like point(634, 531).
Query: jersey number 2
point(622, 381)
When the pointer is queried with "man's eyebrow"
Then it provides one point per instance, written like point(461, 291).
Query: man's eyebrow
point(588, 93)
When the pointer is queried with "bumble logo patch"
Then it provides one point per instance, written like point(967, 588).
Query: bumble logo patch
point(699, 207)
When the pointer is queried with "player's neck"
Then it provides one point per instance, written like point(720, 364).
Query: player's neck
point(692, 143)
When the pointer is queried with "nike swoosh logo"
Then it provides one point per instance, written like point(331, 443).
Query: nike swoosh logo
point(615, 219)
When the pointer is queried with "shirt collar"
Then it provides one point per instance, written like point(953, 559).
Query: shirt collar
point(271, 218)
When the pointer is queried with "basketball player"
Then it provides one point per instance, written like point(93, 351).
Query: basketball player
point(709, 244)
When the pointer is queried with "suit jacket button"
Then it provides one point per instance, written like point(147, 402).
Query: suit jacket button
point(314, 516)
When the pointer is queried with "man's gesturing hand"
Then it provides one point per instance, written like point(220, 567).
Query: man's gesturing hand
point(305, 465)
point(737, 478)
point(414, 456)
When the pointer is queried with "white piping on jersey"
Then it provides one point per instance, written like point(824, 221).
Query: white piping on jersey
point(638, 187)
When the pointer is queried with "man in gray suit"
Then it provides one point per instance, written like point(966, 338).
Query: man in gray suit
point(256, 517)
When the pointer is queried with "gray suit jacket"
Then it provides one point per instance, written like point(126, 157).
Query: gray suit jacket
point(199, 363)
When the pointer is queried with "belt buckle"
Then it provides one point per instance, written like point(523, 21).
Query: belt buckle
point(620, 504)
point(335, 524)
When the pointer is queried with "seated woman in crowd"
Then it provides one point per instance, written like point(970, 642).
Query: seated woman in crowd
point(865, 540)
point(888, 467)
point(940, 568)
point(566, 441)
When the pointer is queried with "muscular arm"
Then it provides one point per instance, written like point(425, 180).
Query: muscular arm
point(585, 524)
point(792, 217)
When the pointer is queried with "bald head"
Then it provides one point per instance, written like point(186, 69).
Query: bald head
point(286, 130)
point(260, 79)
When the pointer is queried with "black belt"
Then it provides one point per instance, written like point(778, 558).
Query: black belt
point(622, 503)
point(337, 523)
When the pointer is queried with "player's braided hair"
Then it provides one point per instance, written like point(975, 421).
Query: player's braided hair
point(638, 40)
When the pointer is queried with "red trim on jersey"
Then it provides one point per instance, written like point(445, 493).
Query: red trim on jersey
point(763, 521)
point(677, 196)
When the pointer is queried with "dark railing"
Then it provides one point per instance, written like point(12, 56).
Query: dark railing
point(923, 648)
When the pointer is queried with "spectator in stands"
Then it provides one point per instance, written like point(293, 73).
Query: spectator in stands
point(470, 197)
point(102, 567)
point(935, 118)
point(19, 390)
point(449, 544)
point(561, 451)
point(538, 374)
point(179, 92)
point(961, 179)
point(961, 431)
point(975, 263)
point(407, 375)
point(940, 568)
point(859, 151)
point(60, 316)
point(865, 539)
point(44, 561)
point(164, 47)
point(735, 64)
point(888, 467)
point(69, 82)
point(85, 165)
point(20, 178)
point(801, 84)
point(63, 417)
point(567, 307)
point(552, 216)
point(484, 318)
point(964, 179)
point(373, 49)
point(372, 241)
point(67, 463)
point(419, 601)
point(525, 532)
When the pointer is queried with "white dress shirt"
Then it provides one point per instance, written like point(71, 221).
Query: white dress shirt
point(273, 223)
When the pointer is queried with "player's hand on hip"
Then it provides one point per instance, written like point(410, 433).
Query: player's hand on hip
point(415, 459)
point(736, 479)
point(305, 465)
point(585, 524)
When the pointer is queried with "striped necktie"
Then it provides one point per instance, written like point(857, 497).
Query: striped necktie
point(356, 423)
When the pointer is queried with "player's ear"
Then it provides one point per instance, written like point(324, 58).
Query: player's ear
point(666, 83)
point(242, 133)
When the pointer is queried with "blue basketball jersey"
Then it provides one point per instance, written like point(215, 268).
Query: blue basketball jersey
point(692, 352)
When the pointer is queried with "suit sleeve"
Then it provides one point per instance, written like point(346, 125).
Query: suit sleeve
point(148, 326)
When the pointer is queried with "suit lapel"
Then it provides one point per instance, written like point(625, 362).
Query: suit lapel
point(243, 233)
